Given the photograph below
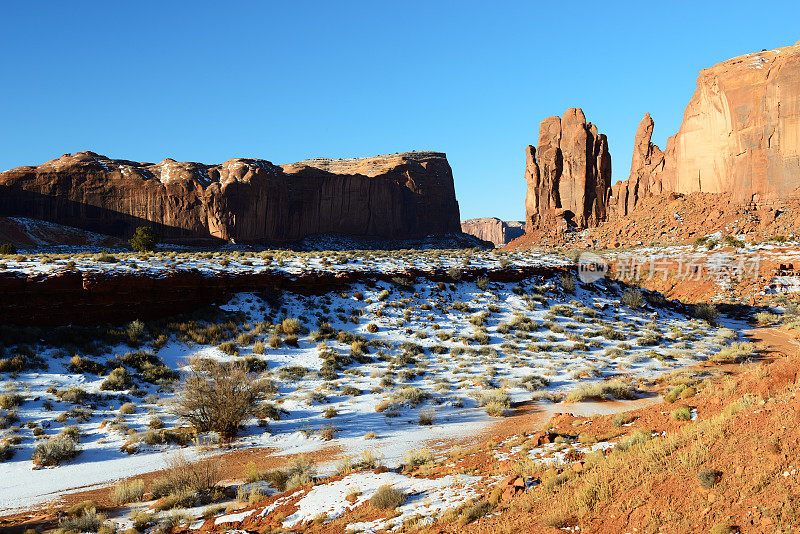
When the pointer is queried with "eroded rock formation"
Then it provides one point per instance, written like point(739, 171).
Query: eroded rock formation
point(398, 196)
point(568, 175)
point(647, 168)
point(740, 137)
point(493, 229)
point(740, 134)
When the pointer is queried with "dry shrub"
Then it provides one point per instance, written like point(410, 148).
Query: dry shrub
point(387, 498)
point(218, 396)
point(54, 450)
point(126, 491)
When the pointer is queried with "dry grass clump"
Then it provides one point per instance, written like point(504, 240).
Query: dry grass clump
point(708, 478)
point(300, 471)
point(416, 458)
point(218, 396)
point(410, 395)
point(495, 402)
point(616, 388)
point(387, 498)
point(291, 326)
point(475, 510)
point(736, 352)
point(426, 417)
point(186, 484)
point(682, 414)
point(82, 518)
point(765, 318)
point(126, 491)
point(9, 401)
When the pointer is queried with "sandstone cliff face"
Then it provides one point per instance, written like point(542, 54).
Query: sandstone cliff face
point(741, 129)
point(568, 175)
point(248, 200)
point(493, 229)
point(740, 134)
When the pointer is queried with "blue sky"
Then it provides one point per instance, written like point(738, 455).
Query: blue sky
point(285, 81)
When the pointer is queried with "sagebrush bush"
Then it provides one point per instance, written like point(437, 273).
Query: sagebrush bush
point(117, 380)
point(633, 298)
point(387, 498)
point(707, 312)
point(54, 450)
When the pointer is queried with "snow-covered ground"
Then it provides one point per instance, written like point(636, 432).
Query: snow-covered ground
point(95, 260)
point(423, 352)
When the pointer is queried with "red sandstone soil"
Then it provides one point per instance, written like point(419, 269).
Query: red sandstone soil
point(673, 219)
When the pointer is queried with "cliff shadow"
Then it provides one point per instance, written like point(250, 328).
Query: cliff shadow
point(33, 205)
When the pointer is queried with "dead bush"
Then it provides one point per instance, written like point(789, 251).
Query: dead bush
point(218, 396)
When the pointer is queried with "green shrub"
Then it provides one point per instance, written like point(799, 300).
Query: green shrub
point(144, 239)
point(682, 414)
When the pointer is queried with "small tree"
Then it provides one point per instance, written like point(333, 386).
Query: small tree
point(144, 239)
point(7, 248)
point(218, 396)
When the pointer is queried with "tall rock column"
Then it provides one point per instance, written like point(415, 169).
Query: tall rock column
point(647, 170)
point(574, 174)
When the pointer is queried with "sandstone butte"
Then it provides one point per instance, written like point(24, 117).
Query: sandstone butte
point(569, 176)
point(398, 196)
point(494, 230)
point(740, 137)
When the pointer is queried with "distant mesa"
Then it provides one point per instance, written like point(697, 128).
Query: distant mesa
point(492, 229)
point(400, 196)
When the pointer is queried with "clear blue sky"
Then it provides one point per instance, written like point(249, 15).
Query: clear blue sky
point(285, 81)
